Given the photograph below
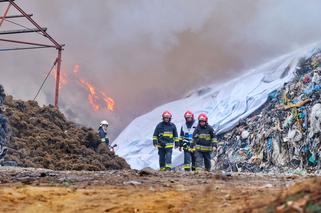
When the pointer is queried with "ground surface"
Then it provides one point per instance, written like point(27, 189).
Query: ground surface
point(37, 190)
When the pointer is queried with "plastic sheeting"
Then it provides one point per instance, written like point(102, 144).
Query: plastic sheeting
point(226, 105)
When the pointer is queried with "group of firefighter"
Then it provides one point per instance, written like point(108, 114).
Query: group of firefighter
point(196, 139)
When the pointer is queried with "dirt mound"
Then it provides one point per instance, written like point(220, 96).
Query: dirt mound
point(42, 137)
point(302, 197)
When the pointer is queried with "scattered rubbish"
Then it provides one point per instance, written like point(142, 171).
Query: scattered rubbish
point(282, 135)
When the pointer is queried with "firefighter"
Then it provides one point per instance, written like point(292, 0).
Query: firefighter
point(102, 131)
point(204, 141)
point(186, 137)
point(164, 138)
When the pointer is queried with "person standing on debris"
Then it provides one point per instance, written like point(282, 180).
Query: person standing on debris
point(102, 131)
point(204, 141)
point(165, 135)
point(186, 137)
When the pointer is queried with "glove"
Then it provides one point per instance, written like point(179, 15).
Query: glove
point(155, 143)
point(107, 141)
point(177, 144)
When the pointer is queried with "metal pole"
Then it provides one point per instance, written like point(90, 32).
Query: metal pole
point(26, 42)
point(22, 48)
point(58, 78)
point(8, 32)
point(15, 16)
point(35, 24)
point(5, 14)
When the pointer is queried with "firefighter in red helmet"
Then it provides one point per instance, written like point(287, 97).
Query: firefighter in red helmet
point(186, 137)
point(204, 141)
point(164, 138)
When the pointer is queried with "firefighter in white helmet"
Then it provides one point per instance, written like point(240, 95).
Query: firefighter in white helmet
point(102, 131)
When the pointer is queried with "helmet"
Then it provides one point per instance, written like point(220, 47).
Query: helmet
point(202, 117)
point(167, 114)
point(104, 122)
point(188, 114)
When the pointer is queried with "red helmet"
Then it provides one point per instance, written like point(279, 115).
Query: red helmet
point(202, 117)
point(188, 114)
point(167, 114)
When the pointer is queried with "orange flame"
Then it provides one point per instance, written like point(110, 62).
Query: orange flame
point(63, 78)
point(109, 102)
point(92, 96)
point(97, 99)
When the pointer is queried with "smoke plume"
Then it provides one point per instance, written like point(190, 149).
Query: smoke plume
point(144, 53)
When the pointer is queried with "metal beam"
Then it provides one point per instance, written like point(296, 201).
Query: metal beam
point(22, 48)
point(5, 14)
point(58, 46)
point(26, 42)
point(15, 16)
point(7, 32)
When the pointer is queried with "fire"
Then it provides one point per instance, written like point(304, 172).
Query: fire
point(63, 78)
point(92, 96)
point(109, 102)
point(97, 99)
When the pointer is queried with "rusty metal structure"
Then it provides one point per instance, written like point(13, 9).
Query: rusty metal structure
point(31, 45)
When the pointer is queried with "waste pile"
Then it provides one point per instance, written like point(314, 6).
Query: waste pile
point(285, 133)
point(301, 197)
point(41, 137)
point(4, 131)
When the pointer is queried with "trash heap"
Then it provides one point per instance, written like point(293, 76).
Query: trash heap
point(285, 133)
point(4, 130)
point(41, 137)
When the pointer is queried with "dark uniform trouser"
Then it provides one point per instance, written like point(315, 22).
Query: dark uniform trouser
point(189, 157)
point(203, 157)
point(165, 158)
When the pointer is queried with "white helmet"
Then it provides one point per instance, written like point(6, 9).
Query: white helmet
point(104, 122)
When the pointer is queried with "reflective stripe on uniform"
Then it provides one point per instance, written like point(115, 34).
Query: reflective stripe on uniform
point(168, 166)
point(198, 169)
point(169, 145)
point(176, 139)
point(214, 141)
point(168, 134)
point(155, 138)
point(205, 136)
point(221, 143)
point(162, 169)
point(187, 166)
point(203, 148)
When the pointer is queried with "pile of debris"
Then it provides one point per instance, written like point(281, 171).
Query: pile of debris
point(41, 137)
point(4, 131)
point(285, 133)
point(301, 197)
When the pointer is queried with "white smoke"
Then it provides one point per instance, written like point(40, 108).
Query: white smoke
point(148, 52)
